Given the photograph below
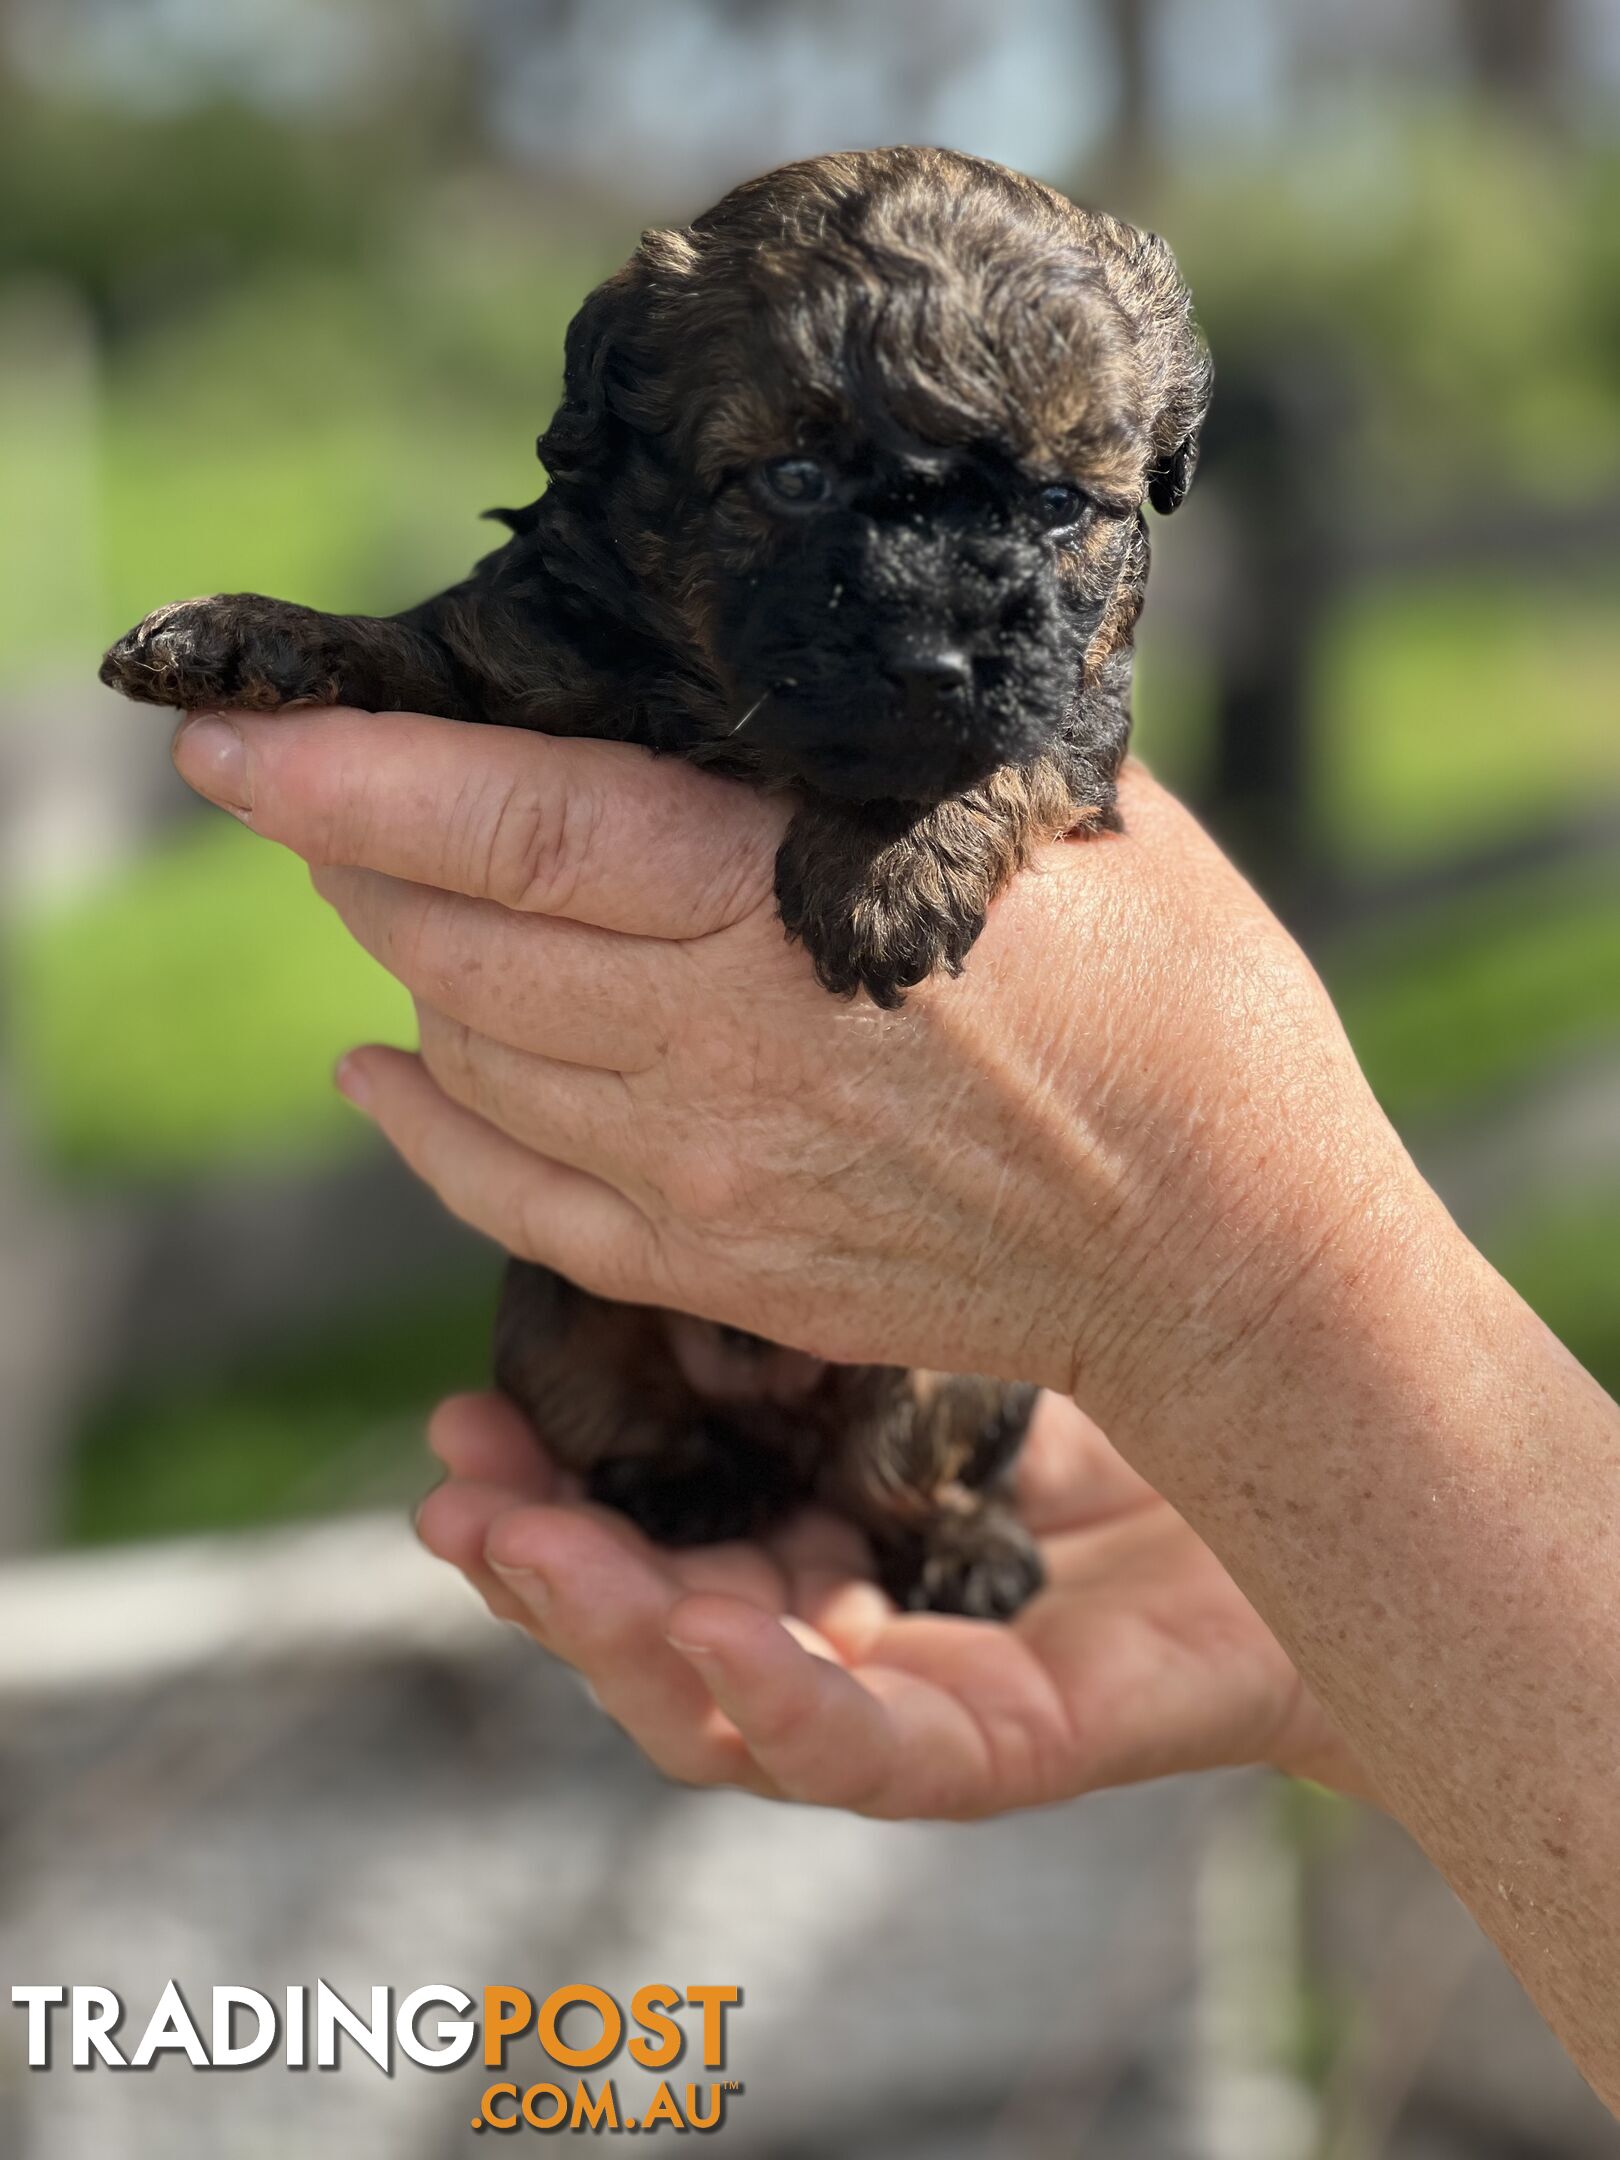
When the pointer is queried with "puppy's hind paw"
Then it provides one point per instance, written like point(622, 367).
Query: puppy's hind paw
point(984, 1566)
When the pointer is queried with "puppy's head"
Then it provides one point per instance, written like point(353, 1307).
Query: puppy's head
point(874, 435)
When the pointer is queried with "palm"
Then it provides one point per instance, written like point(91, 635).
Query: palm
point(1140, 1658)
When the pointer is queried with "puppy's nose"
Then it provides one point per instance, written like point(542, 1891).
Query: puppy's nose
point(928, 677)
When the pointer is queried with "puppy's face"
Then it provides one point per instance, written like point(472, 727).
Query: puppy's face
point(899, 616)
point(878, 429)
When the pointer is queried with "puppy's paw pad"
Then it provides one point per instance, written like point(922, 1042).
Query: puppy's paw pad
point(982, 1571)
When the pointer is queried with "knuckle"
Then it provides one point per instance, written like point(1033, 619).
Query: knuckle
point(538, 840)
point(326, 883)
point(750, 1181)
point(741, 877)
point(533, 1232)
point(539, 1233)
point(447, 1053)
point(406, 943)
point(421, 942)
point(609, 1274)
point(790, 1732)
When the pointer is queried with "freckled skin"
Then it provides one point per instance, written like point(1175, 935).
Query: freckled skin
point(932, 649)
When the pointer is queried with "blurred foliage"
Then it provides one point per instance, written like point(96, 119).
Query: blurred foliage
point(1478, 996)
point(1316, 1825)
point(144, 213)
point(333, 1420)
point(1561, 1260)
point(248, 348)
point(326, 434)
point(228, 990)
point(1451, 277)
point(1451, 712)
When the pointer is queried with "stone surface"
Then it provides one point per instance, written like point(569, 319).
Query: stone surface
point(339, 1770)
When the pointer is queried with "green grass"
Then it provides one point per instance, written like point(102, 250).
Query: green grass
point(1453, 713)
point(1564, 1261)
point(329, 1421)
point(1478, 994)
point(189, 1015)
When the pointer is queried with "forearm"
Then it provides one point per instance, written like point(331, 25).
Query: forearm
point(1420, 1491)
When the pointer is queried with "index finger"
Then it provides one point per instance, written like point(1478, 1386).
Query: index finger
point(599, 832)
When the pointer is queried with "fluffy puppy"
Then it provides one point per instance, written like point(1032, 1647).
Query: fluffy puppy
point(846, 498)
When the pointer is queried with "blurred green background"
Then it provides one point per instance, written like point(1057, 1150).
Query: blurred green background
point(282, 295)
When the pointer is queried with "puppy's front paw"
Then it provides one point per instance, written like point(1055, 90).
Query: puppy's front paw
point(984, 1566)
point(880, 921)
point(230, 649)
point(886, 949)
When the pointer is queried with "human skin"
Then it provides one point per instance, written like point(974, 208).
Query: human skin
point(1359, 1512)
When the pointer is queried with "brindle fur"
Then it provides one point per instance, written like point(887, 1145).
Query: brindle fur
point(944, 336)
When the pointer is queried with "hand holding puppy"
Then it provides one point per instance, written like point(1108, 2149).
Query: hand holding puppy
point(1130, 1155)
point(781, 1668)
point(847, 497)
point(628, 1075)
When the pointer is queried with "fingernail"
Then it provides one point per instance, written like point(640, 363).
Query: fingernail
point(699, 1653)
point(351, 1081)
point(529, 1586)
point(210, 755)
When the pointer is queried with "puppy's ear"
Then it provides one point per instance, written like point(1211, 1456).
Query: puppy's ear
point(582, 437)
point(1178, 374)
point(1172, 476)
point(612, 383)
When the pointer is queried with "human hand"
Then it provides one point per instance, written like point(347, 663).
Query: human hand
point(782, 1668)
point(1130, 1155)
point(1101, 1160)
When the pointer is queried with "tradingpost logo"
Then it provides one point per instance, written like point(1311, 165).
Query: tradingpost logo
point(437, 2027)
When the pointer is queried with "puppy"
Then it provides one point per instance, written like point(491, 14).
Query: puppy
point(846, 498)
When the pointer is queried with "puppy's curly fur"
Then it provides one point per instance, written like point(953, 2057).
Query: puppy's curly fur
point(846, 496)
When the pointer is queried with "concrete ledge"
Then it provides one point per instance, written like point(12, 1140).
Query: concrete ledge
point(331, 1591)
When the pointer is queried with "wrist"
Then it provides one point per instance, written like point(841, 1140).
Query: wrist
point(1258, 1313)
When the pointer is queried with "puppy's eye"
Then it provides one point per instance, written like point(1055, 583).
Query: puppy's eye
point(796, 483)
point(1059, 505)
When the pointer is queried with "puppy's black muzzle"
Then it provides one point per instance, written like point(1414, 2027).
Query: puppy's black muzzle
point(894, 730)
point(904, 664)
point(930, 681)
